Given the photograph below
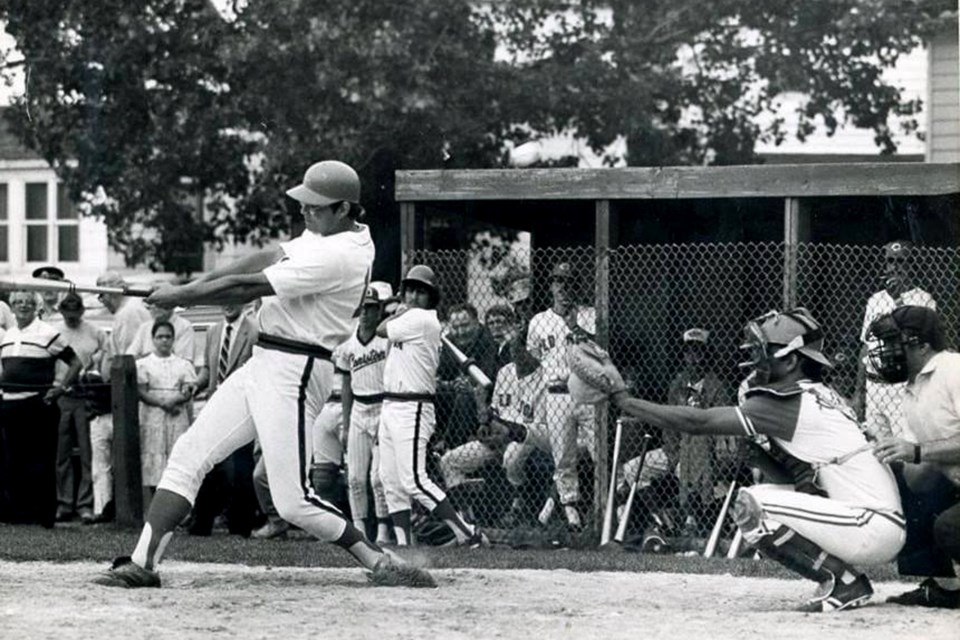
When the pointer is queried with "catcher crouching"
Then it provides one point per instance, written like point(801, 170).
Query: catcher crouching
point(840, 506)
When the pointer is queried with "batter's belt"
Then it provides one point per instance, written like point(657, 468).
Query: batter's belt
point(286, 345)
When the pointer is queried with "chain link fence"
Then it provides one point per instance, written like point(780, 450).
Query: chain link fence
point(547, 485)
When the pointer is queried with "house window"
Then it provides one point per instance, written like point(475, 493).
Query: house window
point(4, 225)
point(37, 222)
point(68, 228)
point(52, 236)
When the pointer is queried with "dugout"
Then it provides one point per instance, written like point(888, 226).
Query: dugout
point(658, 249)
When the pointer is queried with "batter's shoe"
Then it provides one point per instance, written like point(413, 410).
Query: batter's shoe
point(127, 574)
point(391, 571)
point(928, 594)
point(840, 597)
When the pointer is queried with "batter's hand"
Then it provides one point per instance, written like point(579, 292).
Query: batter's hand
point(164, 295)
point(889, 450)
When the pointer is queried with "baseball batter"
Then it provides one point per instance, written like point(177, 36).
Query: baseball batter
point(845, 508)
point(569, 423)
point(361, 361)
point(311, 286)
point(408, 419)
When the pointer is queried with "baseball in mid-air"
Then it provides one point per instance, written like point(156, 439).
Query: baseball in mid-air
point(525, 154)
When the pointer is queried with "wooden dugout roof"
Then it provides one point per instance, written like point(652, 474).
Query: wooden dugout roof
point(641, 183)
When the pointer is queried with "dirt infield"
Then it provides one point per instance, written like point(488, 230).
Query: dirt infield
point(44, 600)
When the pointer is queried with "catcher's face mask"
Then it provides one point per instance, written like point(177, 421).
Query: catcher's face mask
point(776, 335)
point(756, 350)
point(885, 349)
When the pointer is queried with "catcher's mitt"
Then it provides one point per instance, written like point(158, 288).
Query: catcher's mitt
point(593, 377)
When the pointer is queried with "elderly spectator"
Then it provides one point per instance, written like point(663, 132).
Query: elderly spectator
point(128, 315)
point(501, 321)
point(880, 404)
point(28, 425)
point(49, 312)
point(88, 342)
point(457, 397)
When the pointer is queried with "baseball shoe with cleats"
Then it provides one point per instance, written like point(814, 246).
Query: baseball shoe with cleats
point(840, 597)
point(271, 531)
point(476, 540)
point(928, 594)
point(127, 574)
point(392, 571)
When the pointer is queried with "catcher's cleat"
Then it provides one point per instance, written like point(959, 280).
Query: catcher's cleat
point(127, 574)
point(391, 571)
point(928, 594)
point(477, 540)
point(840, 597)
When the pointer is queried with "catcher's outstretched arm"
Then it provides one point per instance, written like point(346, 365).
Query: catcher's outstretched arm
point(713, 421)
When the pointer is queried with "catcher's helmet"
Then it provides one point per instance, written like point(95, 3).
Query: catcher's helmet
point(777, 334)
point(327, 182)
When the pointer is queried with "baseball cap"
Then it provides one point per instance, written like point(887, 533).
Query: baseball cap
point(48, 271)
point(696, 335)
point(327, 182)
point(898, 249)
point(377, 292)
point(519, 290)
point(923, 322)
point(795, 330)
point(71, 302)
point(561, 270)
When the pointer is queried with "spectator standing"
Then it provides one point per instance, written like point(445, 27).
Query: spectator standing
point(88, 342)
point(229, 485)
point(912, 347)
point(49, 311)
point(691, 455)
point(568, 424)
point(166, 384)
point(501, 321)
point(28, 424)
point(6, 315)
point(880, 404)
point(185, 345)
point(128, 315)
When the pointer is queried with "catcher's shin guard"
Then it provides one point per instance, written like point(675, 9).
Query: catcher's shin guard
point(798, 554)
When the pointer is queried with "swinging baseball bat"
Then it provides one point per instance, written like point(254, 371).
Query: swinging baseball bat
point(718, 527)
point(625, 518)
point(612, 492)
point(467, 364)
point(64, 286)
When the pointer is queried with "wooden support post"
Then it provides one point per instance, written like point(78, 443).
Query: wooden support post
point(125, 405)
point(603, 473)
point(796, 229)
point(410, 234)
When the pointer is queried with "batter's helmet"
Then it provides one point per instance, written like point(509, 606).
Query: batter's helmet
point(327, 182)
point(422, 275)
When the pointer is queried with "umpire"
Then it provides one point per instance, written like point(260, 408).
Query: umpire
point(30, 417)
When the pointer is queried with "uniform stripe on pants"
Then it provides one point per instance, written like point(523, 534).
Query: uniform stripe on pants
point(308, 494)
point(416, 470)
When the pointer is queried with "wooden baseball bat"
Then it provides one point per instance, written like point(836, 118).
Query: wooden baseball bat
point(625, 518)
point(735, 545)
point(467, 364)
point(65, 286)
point(612, 492)
point(718, 526)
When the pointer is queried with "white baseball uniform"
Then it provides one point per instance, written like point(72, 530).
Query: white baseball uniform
point(408, 418)
point(277, 394)
point(569, 424)
point(884, 402)
point(861, 519)
point(363, 365)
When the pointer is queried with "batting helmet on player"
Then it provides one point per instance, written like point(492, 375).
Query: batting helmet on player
point(422, 275)
point(327, 182)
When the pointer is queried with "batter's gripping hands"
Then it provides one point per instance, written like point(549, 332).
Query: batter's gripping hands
point(593, 377)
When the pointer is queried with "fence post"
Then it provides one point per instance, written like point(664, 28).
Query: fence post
point(125, 405)
point(796, 229)
point(410, 234)
point(602, 241)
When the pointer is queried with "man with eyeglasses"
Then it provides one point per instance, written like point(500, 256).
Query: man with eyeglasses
point(879, 403)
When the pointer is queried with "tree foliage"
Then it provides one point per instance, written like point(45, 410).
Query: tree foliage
point(144, 107)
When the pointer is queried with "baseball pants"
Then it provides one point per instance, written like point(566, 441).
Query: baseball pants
point(363, 461)
point(405, 430)
point(856, 535)
point(570, 426)
point(457, 464)
point(275, 397)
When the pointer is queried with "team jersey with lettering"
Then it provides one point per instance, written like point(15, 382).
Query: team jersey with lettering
point(520, 399)
point(814, 424)
point(547, 340)
point(364, 362)
point(319, 283)
point(414, 355)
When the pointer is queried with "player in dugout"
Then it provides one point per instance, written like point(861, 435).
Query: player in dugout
point(841, 507)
